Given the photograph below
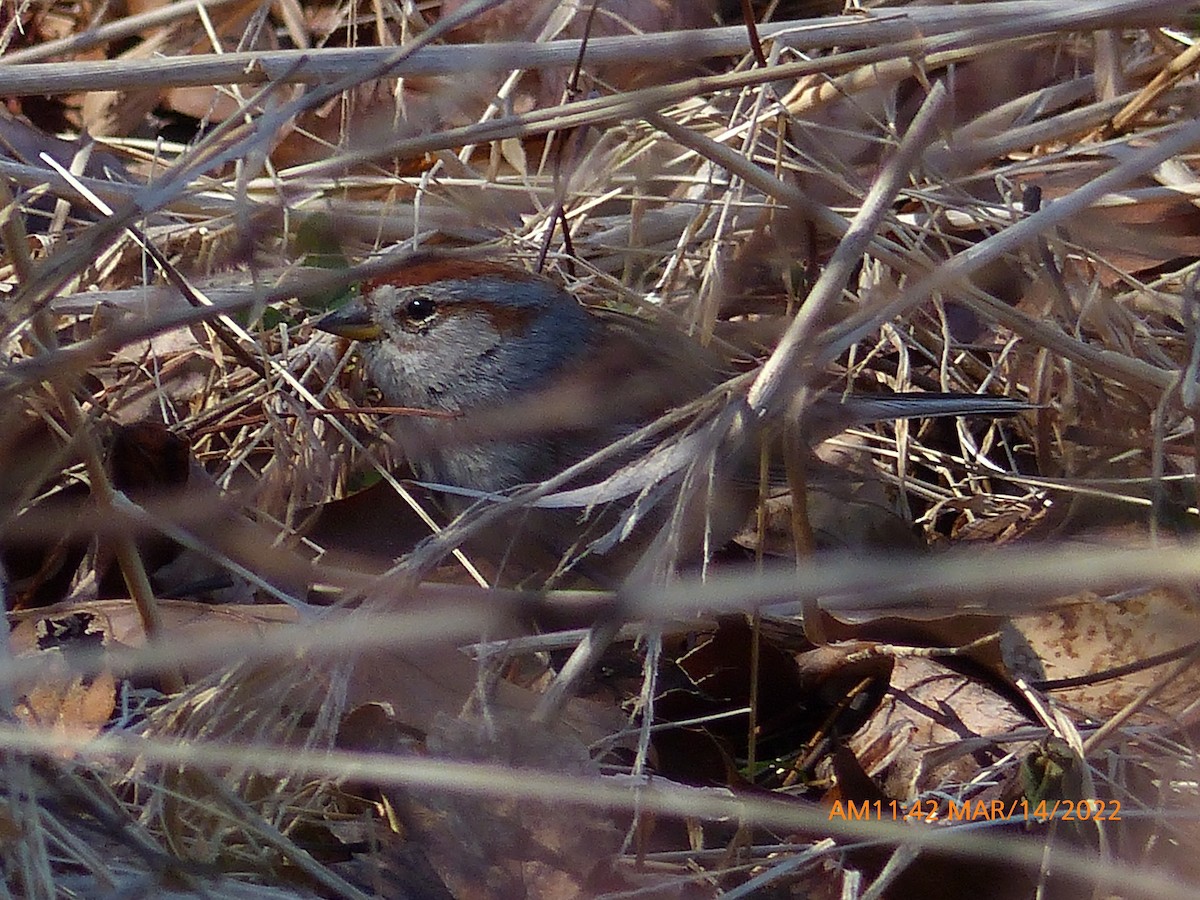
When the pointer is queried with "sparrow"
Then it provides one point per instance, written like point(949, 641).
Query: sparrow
point(510, 381)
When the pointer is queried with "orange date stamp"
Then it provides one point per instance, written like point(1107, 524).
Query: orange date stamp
point(1021, 809)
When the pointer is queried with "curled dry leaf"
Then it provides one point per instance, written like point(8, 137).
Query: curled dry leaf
point(933, 728)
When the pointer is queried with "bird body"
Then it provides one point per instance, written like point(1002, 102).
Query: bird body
point(530, 382)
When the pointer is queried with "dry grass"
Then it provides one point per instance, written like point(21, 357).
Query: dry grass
point(861, 210)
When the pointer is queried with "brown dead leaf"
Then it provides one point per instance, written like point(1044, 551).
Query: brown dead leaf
point(398, 870)
point(519, 20)
point(367, 530)
point(806, 701)
point(117, 623)
point(714, 679)
point(23, 142)
point(39, 567)
point(502, 847)
point(1131, 237)
point(122, 112)
point(935, 725)
point(419, 683)
point(1106, 652)
point(422, 683)
point(71, 705)
point(59, 697)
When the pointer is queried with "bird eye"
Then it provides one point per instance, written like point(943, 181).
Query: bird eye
point(418, 309)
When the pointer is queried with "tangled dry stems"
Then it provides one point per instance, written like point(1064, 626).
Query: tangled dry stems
point(687, 198)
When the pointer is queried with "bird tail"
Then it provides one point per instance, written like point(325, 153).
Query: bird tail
point(829, 417)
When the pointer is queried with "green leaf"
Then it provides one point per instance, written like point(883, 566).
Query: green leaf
point(360, 481)
point(319, 244)
point(272, 317)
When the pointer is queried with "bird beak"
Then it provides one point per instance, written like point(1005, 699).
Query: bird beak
point(352, 321)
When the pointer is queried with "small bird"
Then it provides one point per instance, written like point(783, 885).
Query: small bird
point(524, 381)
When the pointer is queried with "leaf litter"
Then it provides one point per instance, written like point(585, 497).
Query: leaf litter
point(293, 649)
